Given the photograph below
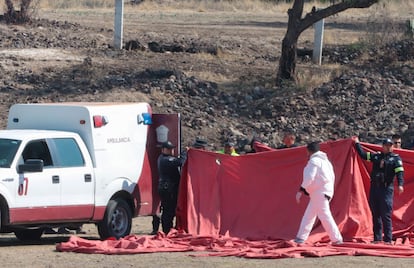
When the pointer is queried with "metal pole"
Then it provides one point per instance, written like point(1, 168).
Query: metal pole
point(410, 28)
point(318, 42)
point(119, 23)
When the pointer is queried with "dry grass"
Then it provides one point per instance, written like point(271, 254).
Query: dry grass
point(74, 4)
point(338, 37)
point(394, 8)
point(402, 9)
point(194, 5)
point(312, 76)
point(210, 74)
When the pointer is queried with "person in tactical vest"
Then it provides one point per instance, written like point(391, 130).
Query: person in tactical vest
point(386, 165)
point(169, 178)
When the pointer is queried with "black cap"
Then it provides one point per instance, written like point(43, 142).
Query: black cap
point(387, 141)
point(199, 143)
point(167, 144)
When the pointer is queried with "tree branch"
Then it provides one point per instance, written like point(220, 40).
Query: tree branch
point(316, 15)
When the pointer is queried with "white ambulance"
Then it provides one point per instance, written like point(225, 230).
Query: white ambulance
point(65, 164)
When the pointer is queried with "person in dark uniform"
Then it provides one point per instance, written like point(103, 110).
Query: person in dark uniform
point(386, 165)
point(200, 144)
point(169, 179)
point(156, 221)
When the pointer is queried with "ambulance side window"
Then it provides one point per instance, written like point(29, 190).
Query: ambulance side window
point(38, 150)
point(68, 153)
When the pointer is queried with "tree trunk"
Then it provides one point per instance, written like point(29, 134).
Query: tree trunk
point(17, 16)
point(24, 10)
point(10, 12)
point(9, 4)
point(287, 64)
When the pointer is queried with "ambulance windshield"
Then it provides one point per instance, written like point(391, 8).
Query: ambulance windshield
point(8, 149)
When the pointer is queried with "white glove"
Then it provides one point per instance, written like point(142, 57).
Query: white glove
point(298, 196)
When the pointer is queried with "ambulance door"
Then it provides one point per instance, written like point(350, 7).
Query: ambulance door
point(38, 193)
point(76, 179)
point(164, 127)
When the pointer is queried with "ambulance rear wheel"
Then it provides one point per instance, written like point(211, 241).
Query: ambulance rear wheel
point(117, 221)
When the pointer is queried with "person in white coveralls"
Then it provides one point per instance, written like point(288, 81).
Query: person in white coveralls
point(318, 183)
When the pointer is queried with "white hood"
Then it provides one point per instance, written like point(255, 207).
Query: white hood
point(318, 175)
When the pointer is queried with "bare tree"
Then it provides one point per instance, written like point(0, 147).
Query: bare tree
point(297, 24)
point(18, 16)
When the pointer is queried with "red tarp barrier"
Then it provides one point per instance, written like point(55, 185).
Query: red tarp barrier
point(245, 206)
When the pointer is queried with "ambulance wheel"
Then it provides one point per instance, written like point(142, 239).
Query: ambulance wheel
point(29, 234)
point(117, 221)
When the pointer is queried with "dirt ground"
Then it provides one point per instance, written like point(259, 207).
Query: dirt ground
point(54, 68)
point(14, 253)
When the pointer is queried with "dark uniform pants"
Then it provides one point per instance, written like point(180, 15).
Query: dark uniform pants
point(381, 202)
point(168, 206)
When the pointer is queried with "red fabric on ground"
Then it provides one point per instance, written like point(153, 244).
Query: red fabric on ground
point(230, 246)
point(245, 206)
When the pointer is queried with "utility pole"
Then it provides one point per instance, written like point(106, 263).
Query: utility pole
point(318, 42)
point(119, 23)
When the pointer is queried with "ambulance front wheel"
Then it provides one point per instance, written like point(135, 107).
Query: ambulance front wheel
point(29, 234)
point(117, 221)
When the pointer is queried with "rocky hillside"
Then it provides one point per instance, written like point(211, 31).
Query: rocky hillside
point(372, 96)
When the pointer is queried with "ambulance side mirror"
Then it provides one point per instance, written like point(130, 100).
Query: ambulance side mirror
point(144, 118)
point(31, 165)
